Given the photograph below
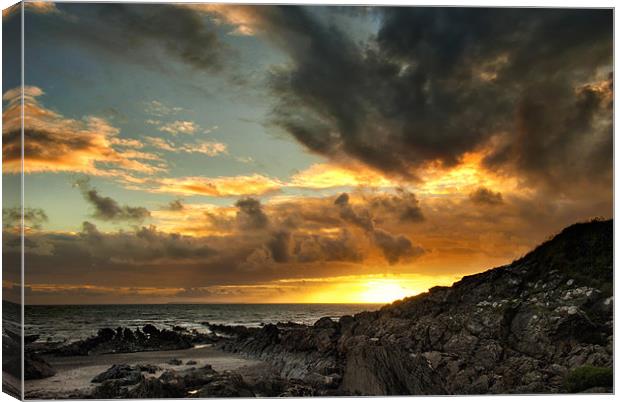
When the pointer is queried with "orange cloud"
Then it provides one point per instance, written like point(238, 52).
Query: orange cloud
point(39, 7)
point(224, 186)
point(54, 143)
point(242, 17)
point(464, 178)
point(195, 220)
point(325, 175)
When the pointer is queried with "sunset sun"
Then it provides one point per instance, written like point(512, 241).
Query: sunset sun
point(384, 291)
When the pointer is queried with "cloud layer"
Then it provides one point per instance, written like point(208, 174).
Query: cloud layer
point(55, 143)
point(437, 83)
point(108, 209)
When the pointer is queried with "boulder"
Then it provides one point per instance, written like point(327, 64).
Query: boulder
point(122, 373)
point(35, 367)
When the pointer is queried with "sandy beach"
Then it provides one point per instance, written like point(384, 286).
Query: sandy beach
point(75, 372)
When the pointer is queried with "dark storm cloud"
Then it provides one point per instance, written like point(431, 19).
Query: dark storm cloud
point(182, 32)
point(438, 82)
point(250, 214)
point(144, 245)
point(108, 209)
point(286, 248)
point(279, 246)
point(320, 248)
point(404, 206)
point(33, 217)
point(484, 196)
point(146, 256)
point(361, 219)
point(394, 247)
point(280, 237)
point(175, 205)
point(562, 136)
point(134, 32)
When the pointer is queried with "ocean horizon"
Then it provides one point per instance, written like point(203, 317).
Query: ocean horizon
point(67, 323)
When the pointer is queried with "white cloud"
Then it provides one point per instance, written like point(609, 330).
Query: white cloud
point(180, 127)
point(157, 108)
point(210, 148)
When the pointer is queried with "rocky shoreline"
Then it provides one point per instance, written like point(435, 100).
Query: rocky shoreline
point(535, 326)
point(542, 324)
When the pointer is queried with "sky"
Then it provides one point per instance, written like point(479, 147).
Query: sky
point(209, 153)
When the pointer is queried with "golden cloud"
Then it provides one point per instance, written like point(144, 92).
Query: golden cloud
point(243, 18)
point(326, 175)
point(39, 7)
point(54, 143)
point(467, 176)
point(223, 186)
point(195, 220)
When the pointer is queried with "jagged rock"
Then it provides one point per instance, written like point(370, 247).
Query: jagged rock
point(124, 381)
point(124, 340)
point(109, 389)
point(197, 377)
point(175, 362)
point(150, 388)
point(149, 368)
point(35, 367)
point(226, 385)
point(122, 373)
point(388, 370)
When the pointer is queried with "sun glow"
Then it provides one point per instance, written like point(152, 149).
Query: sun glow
point(468, 175)
point(367, 288)
point(385, 291)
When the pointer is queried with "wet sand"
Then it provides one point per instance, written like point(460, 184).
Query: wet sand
point(74, 373)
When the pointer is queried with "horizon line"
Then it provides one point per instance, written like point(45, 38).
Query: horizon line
point(194, 303)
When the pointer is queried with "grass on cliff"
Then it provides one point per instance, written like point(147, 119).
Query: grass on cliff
point(585, 377)
point(583, 251)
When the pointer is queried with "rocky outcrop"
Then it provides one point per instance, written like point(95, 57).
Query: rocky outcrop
point(35, 367)
point(124, 340)
point(520, 328)
point(124, 381)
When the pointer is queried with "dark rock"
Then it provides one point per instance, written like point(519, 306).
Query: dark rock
point(110, 389)
point(122, 373)
point(388, 370)
point(191, 363)
point(325, 322)
point(35, 367)
point(288, 324)
point(175, 362)
point(150, 330)
point(225, 386)
point(124, 340)
point(106, 334)
point(28, 339)
point(149, 368)
point(150, 388)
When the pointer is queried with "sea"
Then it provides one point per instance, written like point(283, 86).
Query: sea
point(74, 322)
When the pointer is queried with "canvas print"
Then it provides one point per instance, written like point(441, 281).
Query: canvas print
point(205, 200)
